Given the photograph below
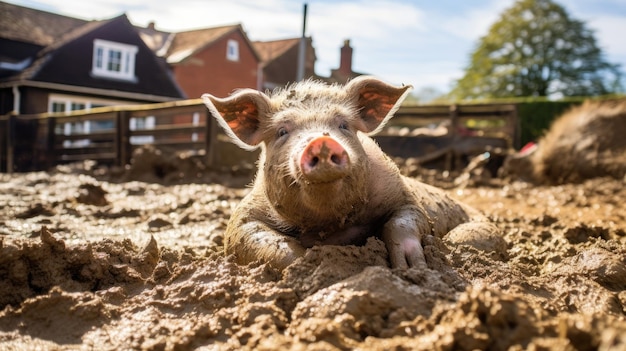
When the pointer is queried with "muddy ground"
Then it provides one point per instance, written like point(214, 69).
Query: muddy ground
point(90, 262)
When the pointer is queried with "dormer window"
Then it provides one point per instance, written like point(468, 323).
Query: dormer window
point(232, 50)
point(113, 60)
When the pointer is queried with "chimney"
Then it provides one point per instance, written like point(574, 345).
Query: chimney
point(345, 63)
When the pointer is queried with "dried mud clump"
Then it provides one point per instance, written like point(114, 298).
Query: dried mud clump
point(168, 166)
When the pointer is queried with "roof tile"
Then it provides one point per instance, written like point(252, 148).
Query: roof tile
point(34, 26)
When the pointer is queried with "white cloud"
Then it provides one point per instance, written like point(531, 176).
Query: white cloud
point(610, 34)
point(608, 19)
point(397, 40)
point(88, 10)
point(474, 23)
point(273, 18)
point(375, 28)
point(366, 19)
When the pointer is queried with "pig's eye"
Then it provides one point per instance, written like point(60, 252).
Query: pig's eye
point(282, 132)
point(343, 125)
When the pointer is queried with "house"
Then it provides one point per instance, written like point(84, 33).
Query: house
point(279, 61)
point(214, 60)
point(219, 60)
point(54, 63)
point(344, 73)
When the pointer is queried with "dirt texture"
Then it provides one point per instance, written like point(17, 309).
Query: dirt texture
point(91, 262)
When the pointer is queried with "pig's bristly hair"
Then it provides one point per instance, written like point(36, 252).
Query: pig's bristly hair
point(309, 93)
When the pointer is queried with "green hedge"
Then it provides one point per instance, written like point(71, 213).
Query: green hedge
point(536, 114)
point(536, 117)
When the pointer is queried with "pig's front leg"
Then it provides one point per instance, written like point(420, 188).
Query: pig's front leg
point(256, 241)
point(402, 236)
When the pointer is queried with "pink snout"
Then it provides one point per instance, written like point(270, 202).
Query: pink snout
point(324, 160)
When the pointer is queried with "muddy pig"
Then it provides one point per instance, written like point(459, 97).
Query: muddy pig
point(322, 180)
point(587, 141)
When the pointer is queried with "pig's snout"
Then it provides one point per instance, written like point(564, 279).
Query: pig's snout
point(324, 160)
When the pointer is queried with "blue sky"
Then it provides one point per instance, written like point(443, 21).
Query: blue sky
point(423, 43)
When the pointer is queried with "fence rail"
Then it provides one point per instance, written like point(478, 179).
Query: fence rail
point(109, 135)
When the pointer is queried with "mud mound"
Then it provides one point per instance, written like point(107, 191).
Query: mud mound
point(31, 268)
point(130, 298)
point(71, 279)
point(164, 166)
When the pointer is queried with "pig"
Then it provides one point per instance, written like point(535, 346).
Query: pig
point(322, 180)
point(587, 141)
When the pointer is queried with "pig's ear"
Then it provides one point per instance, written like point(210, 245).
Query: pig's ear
point(240, 115)
point(376, 101)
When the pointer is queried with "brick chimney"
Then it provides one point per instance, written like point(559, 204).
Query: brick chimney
point(345, 61)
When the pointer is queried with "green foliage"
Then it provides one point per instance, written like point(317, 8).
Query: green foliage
point(536, 49)
point(537, 116)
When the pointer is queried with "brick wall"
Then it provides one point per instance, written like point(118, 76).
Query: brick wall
point(208, 71)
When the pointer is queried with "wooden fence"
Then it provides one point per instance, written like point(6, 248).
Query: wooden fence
point(109, 135)
point(446, 136)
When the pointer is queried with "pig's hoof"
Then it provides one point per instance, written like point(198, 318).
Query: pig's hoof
point(408, 253)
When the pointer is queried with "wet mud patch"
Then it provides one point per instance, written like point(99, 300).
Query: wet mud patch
point(145, 270)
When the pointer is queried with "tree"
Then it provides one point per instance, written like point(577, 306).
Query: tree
point(536, 49)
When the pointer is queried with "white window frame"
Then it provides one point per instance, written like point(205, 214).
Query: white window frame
point(232, 50)
point(68, 100)
point(195, 120)
point(101, 64)
point(79, 127)
point(142, 123)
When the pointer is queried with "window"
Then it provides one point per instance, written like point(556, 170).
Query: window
point(196, 121)
point(114, 60)
point(78, 106)
point(68, 103)
point(141, 123)
point(232, 50)
point(57, 106)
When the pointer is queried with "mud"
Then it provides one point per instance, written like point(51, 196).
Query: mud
point(90, 262)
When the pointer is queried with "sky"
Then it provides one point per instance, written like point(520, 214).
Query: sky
point(420, 42)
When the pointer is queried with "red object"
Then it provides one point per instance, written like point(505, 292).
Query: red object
point(528, 148)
